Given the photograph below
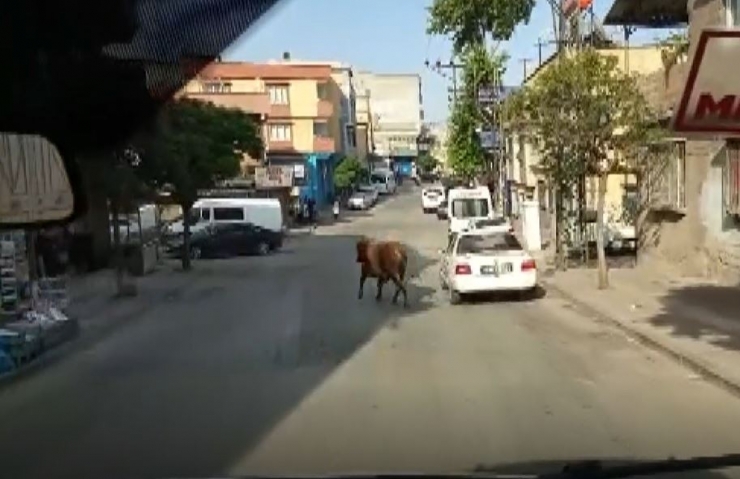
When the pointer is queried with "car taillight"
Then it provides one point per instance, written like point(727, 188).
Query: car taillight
point(462, 269)
point(528, 265)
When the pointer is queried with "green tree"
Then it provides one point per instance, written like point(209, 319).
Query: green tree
point(468, 22)
point(480, 69)
point(587, 117)
point(192, 146)
point(348, 173)
point(426, 163)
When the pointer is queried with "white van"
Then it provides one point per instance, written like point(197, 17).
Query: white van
point(384, 181)
point(264, 212)
point(465, 206)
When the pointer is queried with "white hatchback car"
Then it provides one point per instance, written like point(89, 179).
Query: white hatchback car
point(486, 261)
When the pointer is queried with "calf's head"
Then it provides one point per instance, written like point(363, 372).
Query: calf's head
point(362, 245)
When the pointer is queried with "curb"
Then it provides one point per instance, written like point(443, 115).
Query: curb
point(688, 361)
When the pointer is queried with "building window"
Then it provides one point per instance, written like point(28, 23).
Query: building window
point(351, 136)
point(216, 87)
point(322, 91)
point(280, 132)
point(732, 12)
point(278, 94)
point(665, 187)
point(731, 178)
point(320, 128)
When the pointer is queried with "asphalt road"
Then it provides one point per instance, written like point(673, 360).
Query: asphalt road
point(272, 365)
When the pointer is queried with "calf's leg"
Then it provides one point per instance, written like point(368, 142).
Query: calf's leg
point(363, 277)
point(400, 288)
point(379, 294)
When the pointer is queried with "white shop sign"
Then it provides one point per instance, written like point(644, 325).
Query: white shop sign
point(710, 104)
point(274, 176)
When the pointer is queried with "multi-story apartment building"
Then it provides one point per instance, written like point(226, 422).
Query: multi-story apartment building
point(343, 94)
point(691, 216)
point(438, 131)
point(363, 117)
point(397, 113)
point(299, 108)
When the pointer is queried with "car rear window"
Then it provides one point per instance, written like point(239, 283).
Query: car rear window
point(472, 244)
point(469, 207)
point(490, 222)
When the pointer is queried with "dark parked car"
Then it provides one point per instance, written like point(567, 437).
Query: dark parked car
point(230, 239)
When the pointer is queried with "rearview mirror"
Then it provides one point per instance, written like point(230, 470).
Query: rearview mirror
point(36, 188)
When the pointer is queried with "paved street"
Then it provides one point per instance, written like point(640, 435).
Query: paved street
point(268, 365)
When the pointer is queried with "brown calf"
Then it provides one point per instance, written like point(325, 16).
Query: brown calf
point(383, 260)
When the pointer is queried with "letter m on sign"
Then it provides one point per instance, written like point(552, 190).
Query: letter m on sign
point(710, 104)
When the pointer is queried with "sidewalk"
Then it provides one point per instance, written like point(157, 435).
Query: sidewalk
point(695, 321)
point(97, 312)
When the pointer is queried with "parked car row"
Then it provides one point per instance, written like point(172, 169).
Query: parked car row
point(483, 255)
point(382, 182)
point(364, 198)
point(228, 227)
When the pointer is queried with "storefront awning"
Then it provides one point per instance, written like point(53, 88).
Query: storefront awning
point(648, 13)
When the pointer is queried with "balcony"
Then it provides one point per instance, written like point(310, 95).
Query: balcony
point(287, 146)
point(324, 109)
point(280, 111)
point(257, 103)
point(323, 144)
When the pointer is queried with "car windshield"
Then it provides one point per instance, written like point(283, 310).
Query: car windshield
point(481, 244)
point(469, 208)
point(343, 335)
point(376, 179)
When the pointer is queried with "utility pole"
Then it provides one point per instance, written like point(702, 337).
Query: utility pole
point(540, 43)
point(524, 67)
point(439, 67)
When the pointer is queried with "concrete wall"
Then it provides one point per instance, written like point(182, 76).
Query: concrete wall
point(702, 239)
point(344, 79)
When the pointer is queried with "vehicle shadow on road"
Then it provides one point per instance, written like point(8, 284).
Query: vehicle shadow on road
point(507, 296)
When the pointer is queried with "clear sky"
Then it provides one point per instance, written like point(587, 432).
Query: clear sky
point(387, 36)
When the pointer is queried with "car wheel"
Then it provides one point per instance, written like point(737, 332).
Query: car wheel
point(195, 252)
point(263, 248)
point(455, 297)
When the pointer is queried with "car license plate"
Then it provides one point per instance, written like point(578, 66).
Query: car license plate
point(490, 270)
point(497, 269)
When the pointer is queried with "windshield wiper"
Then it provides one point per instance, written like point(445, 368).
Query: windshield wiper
point(596, 469)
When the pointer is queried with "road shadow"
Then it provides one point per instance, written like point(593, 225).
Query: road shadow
point(704, 312)
point(190, 387)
